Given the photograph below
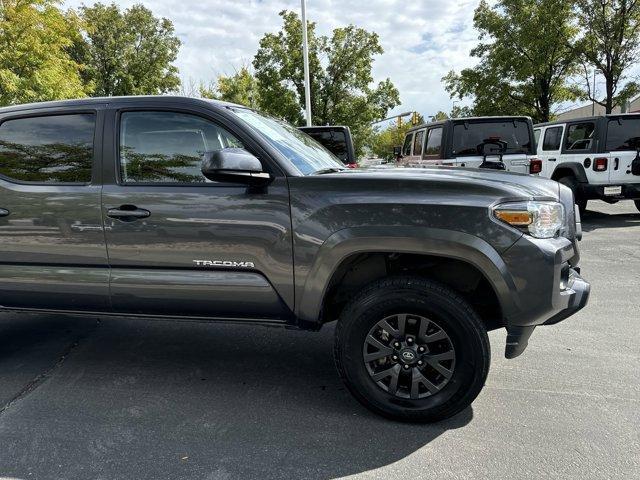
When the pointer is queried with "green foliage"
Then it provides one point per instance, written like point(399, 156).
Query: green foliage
point(610, 44)
point(383, 141)
point(524, 61)
point(34, 63)
point(127, 53)
point(341, 85)
point(460, 112)
point(241, 88)
point(440, 116)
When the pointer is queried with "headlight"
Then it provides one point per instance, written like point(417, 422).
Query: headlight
point(538, 219)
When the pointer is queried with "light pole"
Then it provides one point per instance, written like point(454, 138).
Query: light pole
point(593, 101)
point(305, 55)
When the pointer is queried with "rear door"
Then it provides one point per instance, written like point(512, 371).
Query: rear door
point(470, 137)
point(579, 145)
point(192, 247)
point(432, 154)
point(53, 253)
point(622, 146)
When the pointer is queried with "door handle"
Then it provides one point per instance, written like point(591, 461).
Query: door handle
point(551, 159)
point(128, 213)
point(4, 212)
point(616, 163)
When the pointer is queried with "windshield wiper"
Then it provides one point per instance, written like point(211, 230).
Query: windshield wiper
point(328, 170)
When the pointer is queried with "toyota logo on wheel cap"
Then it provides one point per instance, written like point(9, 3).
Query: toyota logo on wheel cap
point(408, 355)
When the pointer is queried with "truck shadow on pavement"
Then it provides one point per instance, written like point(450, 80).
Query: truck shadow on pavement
point(594, 220)
point(140, 399)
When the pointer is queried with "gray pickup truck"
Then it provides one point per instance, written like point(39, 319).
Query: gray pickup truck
point(186, 208)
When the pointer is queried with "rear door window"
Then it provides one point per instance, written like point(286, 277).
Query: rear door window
point(434, 143)
point(469, 137)
point(552, 139)
point(623, 134)
point(580, 136)
point(48, 149)
point(417, 143)
point(406, 148)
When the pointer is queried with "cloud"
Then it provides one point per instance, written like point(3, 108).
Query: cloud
point(422, 39)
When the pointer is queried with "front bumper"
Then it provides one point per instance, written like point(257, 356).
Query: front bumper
point(547, 289)
point(577, 296)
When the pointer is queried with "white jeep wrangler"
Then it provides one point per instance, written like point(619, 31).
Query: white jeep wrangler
point(597, 157)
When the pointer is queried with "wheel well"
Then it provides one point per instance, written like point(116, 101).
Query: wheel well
point(560, 172)
point(358, 270)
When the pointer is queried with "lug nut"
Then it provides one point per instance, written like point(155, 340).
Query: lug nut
point(420, 362)
point(409, 340)
point(395, 357)
point(396, 344)
point(421, 349)
point(406, 367)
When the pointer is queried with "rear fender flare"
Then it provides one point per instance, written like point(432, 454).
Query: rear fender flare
point(576, 169)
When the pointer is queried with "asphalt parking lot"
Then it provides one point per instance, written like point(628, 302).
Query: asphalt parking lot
point(82, 398)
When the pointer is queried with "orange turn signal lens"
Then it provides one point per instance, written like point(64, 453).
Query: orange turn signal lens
point(514, 217)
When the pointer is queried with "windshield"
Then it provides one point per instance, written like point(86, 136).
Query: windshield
point(304, 152)
point(623, 134)
point(470, 138)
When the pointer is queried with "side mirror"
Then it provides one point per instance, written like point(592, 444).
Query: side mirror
point(234, 165)
point(397, 151)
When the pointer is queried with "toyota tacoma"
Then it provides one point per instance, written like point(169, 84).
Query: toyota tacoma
point(168, 207)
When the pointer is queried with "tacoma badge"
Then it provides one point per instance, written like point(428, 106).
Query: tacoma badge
point(223, 263)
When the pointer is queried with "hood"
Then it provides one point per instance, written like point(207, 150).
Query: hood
point(516, 184)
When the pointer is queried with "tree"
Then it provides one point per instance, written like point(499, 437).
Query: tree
point(382, 142)
point(342, 90)
point(611, 45)
point(524, 62)
point(440, 115)
point(241, 87)
point(34, 63)
point(127, 53)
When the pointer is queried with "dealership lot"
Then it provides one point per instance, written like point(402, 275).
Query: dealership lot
point(120, 398)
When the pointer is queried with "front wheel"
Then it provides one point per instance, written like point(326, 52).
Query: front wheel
point(412, 349)
point(578, 197)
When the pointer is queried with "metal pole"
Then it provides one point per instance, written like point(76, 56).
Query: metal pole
point(593, 102)
point(305, 54)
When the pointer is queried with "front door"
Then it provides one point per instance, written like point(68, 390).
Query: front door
point(179, 244)
point(549, 149)
point(53, 253)
point(414, 159)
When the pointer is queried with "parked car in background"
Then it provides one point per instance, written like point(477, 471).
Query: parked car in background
point(597, 157)
point(501, 143)
point(336, 139)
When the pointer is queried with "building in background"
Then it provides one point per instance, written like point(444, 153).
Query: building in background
point(588, 110)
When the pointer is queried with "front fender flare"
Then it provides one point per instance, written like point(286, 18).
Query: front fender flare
point(415, 240)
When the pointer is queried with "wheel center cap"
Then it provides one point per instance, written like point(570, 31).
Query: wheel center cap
point(408, 355)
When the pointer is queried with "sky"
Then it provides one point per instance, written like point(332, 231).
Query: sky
point(422, 39)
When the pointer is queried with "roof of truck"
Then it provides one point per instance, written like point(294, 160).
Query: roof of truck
point(463, 119)
point(586, 119)
point(79, 102)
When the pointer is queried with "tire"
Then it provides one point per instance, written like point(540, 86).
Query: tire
point(578, 197)
point(423, 302)
point(637, 202)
